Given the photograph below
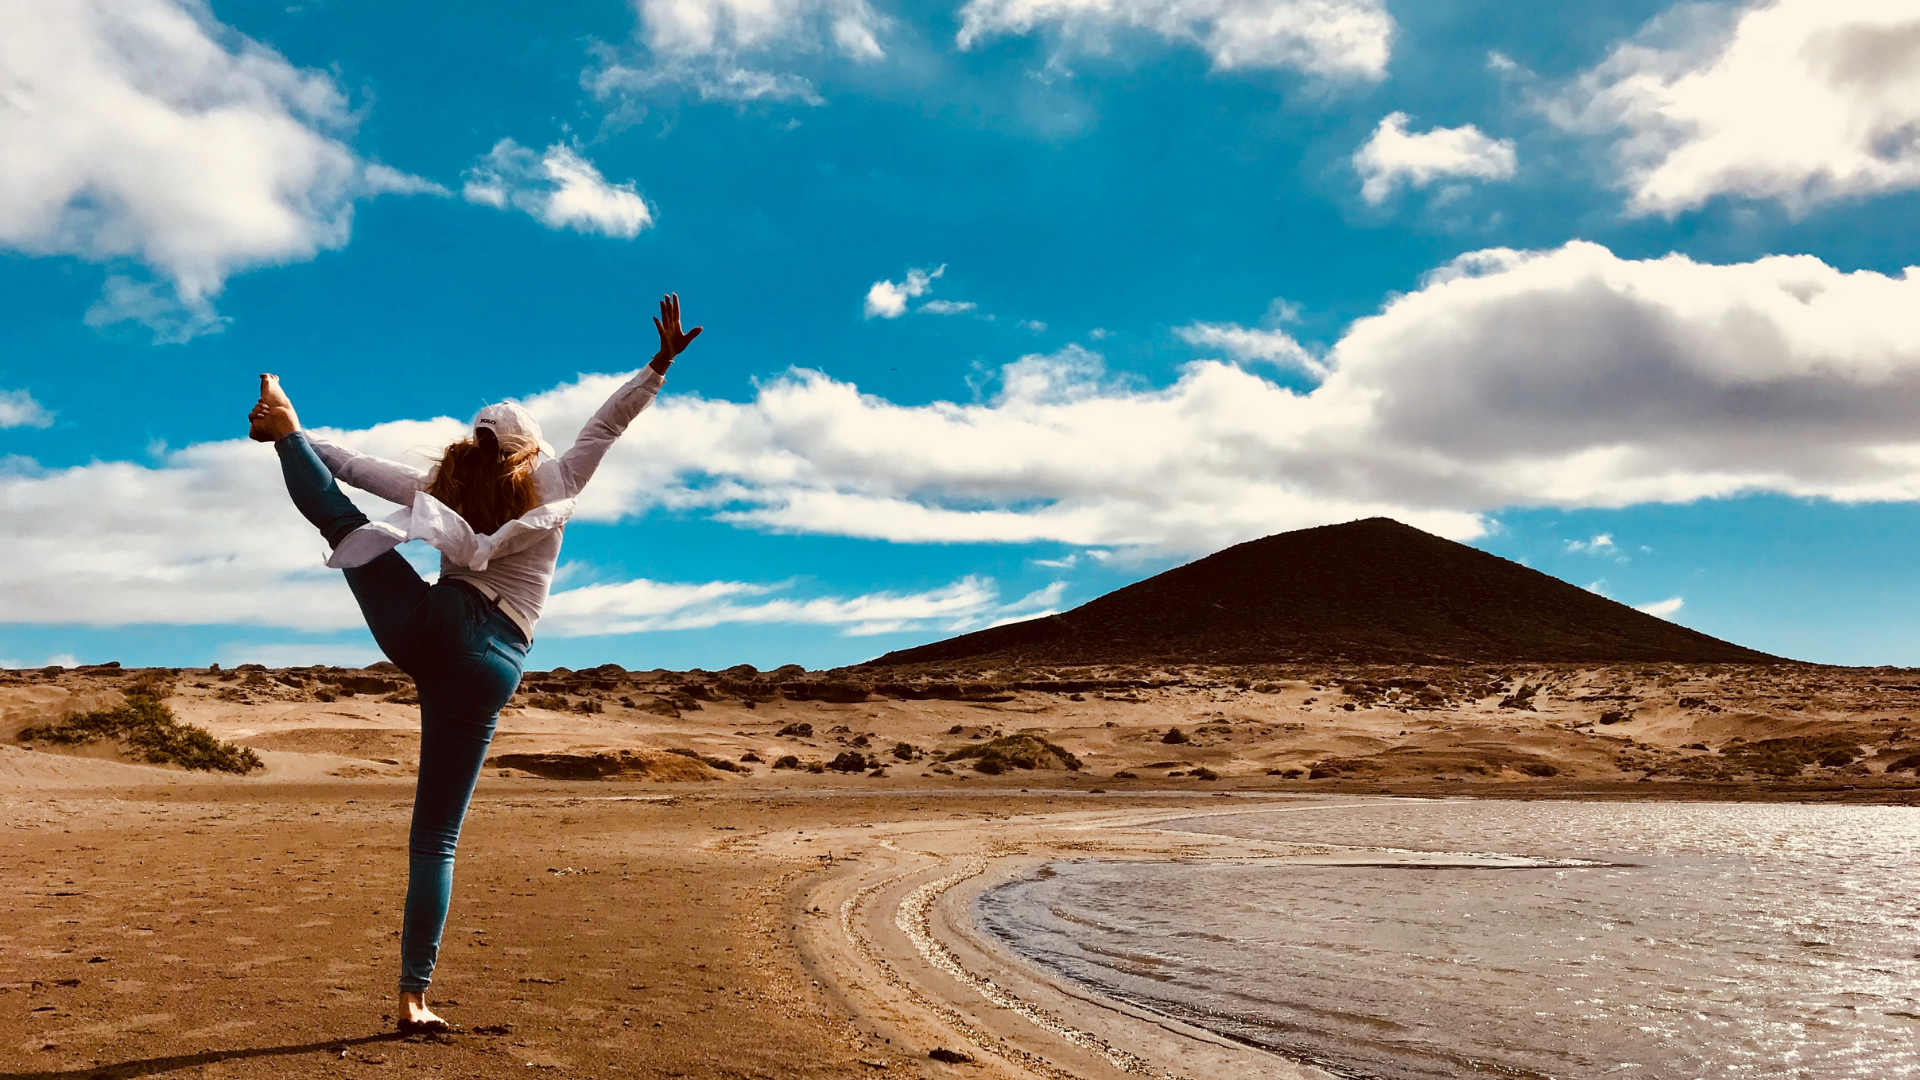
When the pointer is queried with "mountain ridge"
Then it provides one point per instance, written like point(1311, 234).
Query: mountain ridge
point(1368, 591)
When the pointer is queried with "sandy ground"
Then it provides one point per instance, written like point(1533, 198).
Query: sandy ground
point(676, 919)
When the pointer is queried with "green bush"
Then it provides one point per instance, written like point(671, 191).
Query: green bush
point(1016, 752)
point(150, 731)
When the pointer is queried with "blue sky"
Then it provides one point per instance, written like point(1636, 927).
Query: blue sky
point(1007, 303)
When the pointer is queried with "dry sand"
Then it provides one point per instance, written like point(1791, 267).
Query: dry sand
point(774, 923)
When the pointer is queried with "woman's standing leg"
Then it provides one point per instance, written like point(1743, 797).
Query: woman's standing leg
point(460, 703)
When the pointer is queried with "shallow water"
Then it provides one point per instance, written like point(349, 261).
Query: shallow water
point(1717, 940)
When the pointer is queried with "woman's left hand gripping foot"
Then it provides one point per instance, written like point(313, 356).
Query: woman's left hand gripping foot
point(272, 418)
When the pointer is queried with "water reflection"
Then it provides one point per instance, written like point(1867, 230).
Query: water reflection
point(1725, 940)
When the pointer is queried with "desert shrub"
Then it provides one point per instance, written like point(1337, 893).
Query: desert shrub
point(1175, 736)
point(1839, 758)
point(849, 761)
point(1786, 757)
point(1125, 775)
point(1204, 773)
point(1338, 767)
point(861, 740)
point(798, 731)
point(1616, 716)
point(1016, 751)
point(1909, 763)
point(955, 729)
point(1521, 698)
point(149, 729)
point(588, 706)
point(661, 707)
point(1538, 768)
point(751, 756)
point(816, 766)
point(786, 761)
point(903, 751)
point(709, 760)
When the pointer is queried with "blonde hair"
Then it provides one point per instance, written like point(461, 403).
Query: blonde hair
point(487, 478)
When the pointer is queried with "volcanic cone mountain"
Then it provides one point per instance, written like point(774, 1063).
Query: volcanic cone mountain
point(1373, 591)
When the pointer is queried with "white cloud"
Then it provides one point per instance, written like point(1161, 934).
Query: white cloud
point(1273, 346)
point(637, 606)
point(738, 50)
point(1035, 325)
point(1333, 39)
point(947, 307)
point(387, 180)
point(1601, 544)
point(1801, 101)
point(18, 409)
point(559, 188)
point(1567, 378)
point(888, 299)
point(1665, 609)
point(65, 660)
point(1394, 155)
point(143, 132)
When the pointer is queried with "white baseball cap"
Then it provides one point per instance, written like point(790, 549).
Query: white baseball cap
point(508, 418)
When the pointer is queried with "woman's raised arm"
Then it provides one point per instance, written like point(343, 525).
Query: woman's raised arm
point(575, 467)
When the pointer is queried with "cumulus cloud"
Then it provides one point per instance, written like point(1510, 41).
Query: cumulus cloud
point(1800, 101)
point(1273, 346)
point(948, 307)
point(635, 606)
point(1395, 155)
point(1664, 609)
point(1601, 544)
point(739, 50)
point(1332, 39)
point(1568, 378)
point(18, 409)
point(143, 133)
point(888, 299)
point(558, 188)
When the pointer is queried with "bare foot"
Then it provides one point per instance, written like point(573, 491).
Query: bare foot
point(415, 1016)
point(272, 418)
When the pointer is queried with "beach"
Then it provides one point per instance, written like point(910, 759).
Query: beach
point(221, 929)
point(764, 922)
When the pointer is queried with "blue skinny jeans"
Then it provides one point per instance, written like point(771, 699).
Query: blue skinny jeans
point(465, 658)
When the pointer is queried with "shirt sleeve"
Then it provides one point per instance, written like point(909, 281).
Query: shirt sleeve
point(571, 471)
point(390, 480)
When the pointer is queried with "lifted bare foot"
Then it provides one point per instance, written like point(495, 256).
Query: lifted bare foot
point(272, 418)
point(415, 1017)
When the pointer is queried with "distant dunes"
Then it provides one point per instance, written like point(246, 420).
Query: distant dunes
point(1373, 591)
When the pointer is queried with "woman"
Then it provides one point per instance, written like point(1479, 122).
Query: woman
point(495, 506)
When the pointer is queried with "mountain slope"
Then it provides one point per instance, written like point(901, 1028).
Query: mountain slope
point(1373, 591)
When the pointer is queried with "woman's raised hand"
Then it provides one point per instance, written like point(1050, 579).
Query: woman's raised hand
point(672, 341)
